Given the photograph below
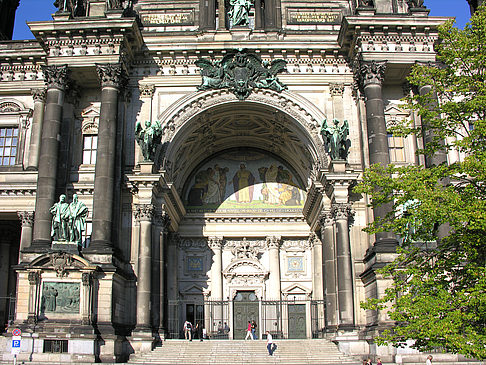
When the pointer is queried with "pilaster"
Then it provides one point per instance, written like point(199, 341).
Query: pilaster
point(27, 220)
point(274, 290)
point(39, 96)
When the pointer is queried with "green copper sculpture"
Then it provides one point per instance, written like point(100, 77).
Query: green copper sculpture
point(241, 71)
point(336, 140)
point(68, 220)
point(148, 137)
point(239, 12)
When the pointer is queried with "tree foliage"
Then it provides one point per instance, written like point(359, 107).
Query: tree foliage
point(438, 295)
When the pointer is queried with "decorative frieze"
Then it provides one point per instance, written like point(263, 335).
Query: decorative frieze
point(245, 249)
point(196, 244)
point(215, 243)
point(295, 245)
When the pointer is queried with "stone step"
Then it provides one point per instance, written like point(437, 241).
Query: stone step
point(244, 352)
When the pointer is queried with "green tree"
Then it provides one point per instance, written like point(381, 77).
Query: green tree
point(438, 295)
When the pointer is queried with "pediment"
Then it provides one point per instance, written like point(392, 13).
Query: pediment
point(193, 290)
point(296, 289)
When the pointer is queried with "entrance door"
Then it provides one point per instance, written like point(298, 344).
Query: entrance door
point(245, 308)
point(297, 323)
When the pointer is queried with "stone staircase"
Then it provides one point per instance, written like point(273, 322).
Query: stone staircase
point(245, 352)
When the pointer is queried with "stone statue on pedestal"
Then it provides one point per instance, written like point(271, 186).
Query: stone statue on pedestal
point(78, 212)
point(60, 220)
point(148, 137)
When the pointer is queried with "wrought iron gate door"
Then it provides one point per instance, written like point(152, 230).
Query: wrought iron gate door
point(297, 325)
point(245, 308)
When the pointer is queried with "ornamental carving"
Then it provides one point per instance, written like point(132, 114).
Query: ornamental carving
point(197, 244)
point(86, 278)
point(39, 95)
point(110, 75)
point(56, 76)
point(415, 4)
point(27, 218)
point(244, 249)
point(336, 89)
point(295, 245)
point(144, 212)
point(370, 73)
point(241, 71)
point(61, 261)
point(314, 240)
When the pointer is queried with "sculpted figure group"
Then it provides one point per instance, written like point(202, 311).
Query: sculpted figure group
point(68, 220)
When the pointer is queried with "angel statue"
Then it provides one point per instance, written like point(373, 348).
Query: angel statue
point(212, 74)
point(148, 136)
point(335, 138)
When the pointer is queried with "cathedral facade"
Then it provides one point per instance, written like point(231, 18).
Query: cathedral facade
point(164, 161)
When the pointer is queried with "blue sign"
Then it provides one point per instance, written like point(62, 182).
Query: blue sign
point(15, 343)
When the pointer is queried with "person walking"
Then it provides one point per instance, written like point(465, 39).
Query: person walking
point(199, 331)
point(429, 360)
point(378, 362)
point(253, 329)
point(187, 330)
point(269, 344)
point(248, 332)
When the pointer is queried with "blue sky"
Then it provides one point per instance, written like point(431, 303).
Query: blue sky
point(32, 10)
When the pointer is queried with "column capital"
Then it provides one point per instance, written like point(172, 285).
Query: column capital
point(163, 219)
point(215, 242)
point(26, 217)
point(144, 212)
point(86, 278)
point(341, 211)
point(336, 89)
point(56, 77)
point(147, 90)
point(314, 240)
point(34, 278)
point(326, 218)
point(370, 72)
point(111, 75)
point(273, 241)
point(39, 95)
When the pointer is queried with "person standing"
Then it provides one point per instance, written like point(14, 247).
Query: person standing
point(187, 330)
point(253, 329)
point(378, 362)
point(269, 344)
point(248, 331)
point(429, 360)
point(199, 331)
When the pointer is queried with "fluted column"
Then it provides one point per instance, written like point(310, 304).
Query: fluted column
point(371, 76)
point(341, 213)
point(330, 280)
point(273, 244)
point(27, 219)
point(144, 213)
point(111, 80)
point(39, 96)
point(56, 79)
point(216, 245)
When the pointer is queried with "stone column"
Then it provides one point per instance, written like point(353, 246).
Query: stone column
point(27, 219)
point(165, 221)
point(173, 266)
point(221, 15)
point(345, 276)
point(258, 14)
point(216, 245)
point(330, 283)
point(111, 80)
point(371, 76)
point(274, 291)
point(39, 96)
point(34, 296)
point(144, 213)
point(86, 295)
point(56, 80)
point(317, 280)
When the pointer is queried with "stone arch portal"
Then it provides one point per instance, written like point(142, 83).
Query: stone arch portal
point(207, 123)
